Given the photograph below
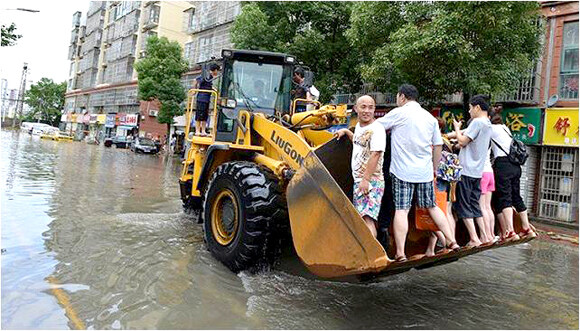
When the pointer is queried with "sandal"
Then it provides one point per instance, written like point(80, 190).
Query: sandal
point(400, 259)
point(454, 246)
point(512, 236)
point(527, 232)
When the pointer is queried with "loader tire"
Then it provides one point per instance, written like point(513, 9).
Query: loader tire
point(245, 215)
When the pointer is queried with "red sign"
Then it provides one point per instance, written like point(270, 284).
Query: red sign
point(131, 119)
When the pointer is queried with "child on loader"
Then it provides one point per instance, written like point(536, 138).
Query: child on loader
point(369, 140)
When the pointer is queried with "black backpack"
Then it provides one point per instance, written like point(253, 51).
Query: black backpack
point(518, 153)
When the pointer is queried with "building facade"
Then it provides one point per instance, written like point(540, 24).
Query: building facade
point(102, 80)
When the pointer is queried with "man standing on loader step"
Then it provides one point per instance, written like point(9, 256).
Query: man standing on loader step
point(415, 152)
point(368, 146)
point(203, 98)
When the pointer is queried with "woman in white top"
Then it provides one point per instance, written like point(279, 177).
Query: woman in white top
point(507, 180)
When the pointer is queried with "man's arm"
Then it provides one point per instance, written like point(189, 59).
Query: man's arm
point(343, 132)
point(370, 169)
point(462, 139)
point(436, 156)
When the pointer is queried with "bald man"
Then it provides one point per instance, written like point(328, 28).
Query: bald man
point(369, 140)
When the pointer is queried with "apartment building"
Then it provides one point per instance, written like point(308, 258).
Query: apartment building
point(101, 95)
point(208, 25)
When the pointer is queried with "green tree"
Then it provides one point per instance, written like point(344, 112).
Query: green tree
point(159, 77)
point(314, 31)
point(446, 47)
point(46, 100)
point(9, 36)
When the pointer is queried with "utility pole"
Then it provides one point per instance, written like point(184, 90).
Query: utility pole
point(4, 88)
point(20, 102)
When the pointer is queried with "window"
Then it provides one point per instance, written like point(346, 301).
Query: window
point(154, 14)
point(569, 62)
point(191, 20)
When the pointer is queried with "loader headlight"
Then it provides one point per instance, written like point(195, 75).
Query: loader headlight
point(231, 103)
point(290, 59)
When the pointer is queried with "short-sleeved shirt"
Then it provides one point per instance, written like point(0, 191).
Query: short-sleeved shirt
point(414, 132)
point(472, 157)
point(204, 84)
point(367, 139)
point(499, 134)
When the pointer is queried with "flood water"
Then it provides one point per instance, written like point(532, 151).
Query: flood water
point(94, 237)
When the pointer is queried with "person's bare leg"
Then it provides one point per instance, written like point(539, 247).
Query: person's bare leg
point(431, 245)
point(370, 223)
point(441, 221)
point(400, 228)
point(508, 216)
point(482, 229)
point(203, 126)
point(524, 219)
point(197, 125)
point(473, 239)
point(502, 226)
point(487, 217)
point(451, 220)
point(491, 224)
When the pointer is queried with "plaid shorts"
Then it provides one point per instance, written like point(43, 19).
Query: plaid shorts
point(369, 204)
point(403, 194)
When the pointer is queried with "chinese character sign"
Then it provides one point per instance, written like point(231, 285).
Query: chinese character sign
point(561, 127)
point(524, 123)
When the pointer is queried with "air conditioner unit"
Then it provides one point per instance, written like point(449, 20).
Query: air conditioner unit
point(153, 112)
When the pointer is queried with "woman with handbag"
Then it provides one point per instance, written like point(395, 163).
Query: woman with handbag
point(507, 183)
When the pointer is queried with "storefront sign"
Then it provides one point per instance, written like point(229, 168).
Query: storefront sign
point(80, 118)
point(110, 120)
point(87, 118)
point(64, 118)
point(131, 119)
point(93, 118)
point(101, 118)
point(121, 118)
point(524, 123)
point(561, 127)
point(447, 115)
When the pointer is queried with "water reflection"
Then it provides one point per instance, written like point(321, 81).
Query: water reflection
point(106, 227)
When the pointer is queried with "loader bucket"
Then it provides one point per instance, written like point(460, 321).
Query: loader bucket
point(331, 238)
point(329, 235)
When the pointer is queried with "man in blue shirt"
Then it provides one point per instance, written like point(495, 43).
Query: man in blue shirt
point(203, 98)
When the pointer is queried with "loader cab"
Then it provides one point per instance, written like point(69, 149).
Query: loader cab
point(256, 81)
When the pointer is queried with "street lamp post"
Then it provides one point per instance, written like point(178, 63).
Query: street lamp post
point(25, 68)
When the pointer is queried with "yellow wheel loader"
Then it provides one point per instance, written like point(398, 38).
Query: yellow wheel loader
point(265, 169)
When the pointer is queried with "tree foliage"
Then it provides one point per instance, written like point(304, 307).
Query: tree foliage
point(314, 31)
point(46, 100)
point(446, 47)
point(159, 77)
point(9, 35)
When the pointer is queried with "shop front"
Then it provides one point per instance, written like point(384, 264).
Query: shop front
point(110, 121)
point(558, 191)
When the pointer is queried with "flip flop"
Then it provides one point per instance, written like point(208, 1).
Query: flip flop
point(400, 259)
